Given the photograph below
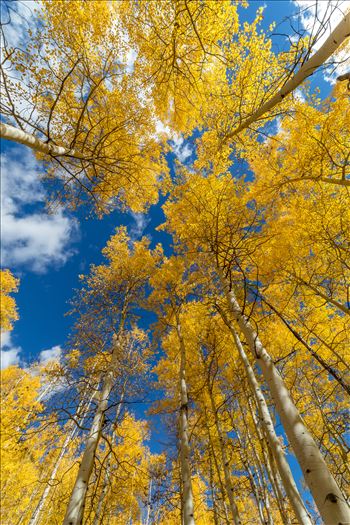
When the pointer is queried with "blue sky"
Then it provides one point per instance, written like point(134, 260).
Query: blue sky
point(48, 252)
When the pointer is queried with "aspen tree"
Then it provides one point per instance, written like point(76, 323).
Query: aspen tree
point(270, 465)
point(191, 45)
point(71, 431)
point(220, 231)
point(105, 482)
point(220, 369)
point(169, 281)
point(70, 98)
point(329, 499)
point(228, 482)
point(271, 253)
point(310, 149)
point(188, 509)
point(120, 283)
point(26, 441)
point(339, 35)
point(268, 426)
point(129, 473)
point(225, 463)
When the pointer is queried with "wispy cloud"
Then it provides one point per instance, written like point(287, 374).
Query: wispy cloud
point(31, 237)
point(181, 149)
point(52, 354)
point(138, 226)
point(9, 352)
point(22, 16)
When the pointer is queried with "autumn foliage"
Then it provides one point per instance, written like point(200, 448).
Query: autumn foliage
point(244, 364)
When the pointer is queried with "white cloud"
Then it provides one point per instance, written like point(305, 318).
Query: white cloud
point(31, 237)
point(319, 18)
point(22, 15)
point(161, 128)
point(9, 352)
point(53, 353)
point(298, 95)
point(181, 149)
point(51, 386)
point(130, 60)
point(138, 226)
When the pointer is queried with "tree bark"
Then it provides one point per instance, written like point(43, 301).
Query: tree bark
point(35, 518)
point(9, 132)
point(326, 493)
point(217, 468)
point(275, 444)
point(225, 463)
point(273, 475)
point(253, 485)
point(149, 503)
point(106, 477)
point(335, 39)
point(75, 510)
point(187, 503)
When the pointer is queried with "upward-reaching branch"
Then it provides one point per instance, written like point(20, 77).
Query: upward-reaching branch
point(335, 39)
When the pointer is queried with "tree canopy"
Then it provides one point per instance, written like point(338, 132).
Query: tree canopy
point(233, 340)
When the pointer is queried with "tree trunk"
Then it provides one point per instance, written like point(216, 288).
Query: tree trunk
point(187, 503)
point(35, 518)
point(260, 475)
point(327, 495)
point(275, 444)
point(253, 485)
point(335, 39)
point(273, 475)
point(149, 503)
point(32, 497)
point(217, 468)
point(225, 463)
point(212, 490)
point(106, 480)
point(75, 510)
point(9, 132)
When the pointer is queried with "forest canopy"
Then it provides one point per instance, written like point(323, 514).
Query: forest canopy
point(205, 376)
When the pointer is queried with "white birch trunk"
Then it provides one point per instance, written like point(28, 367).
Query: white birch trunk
point(253, 484)
point(75, 509)
point(35, 518)
point(275, 444)
point(9, 132)
point(326, 493)
point(105, 483)
point(273, 475)
point(149, 503)
point(335, 39)
point(225, 463)
point(187, 504)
